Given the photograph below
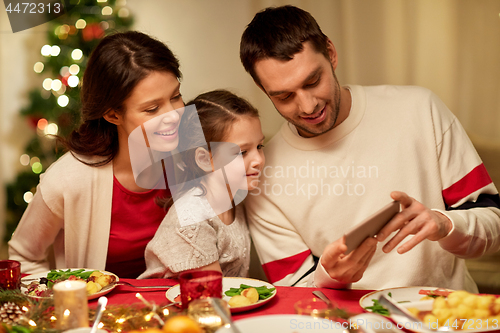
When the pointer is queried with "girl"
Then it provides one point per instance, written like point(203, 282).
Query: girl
point(195, 235)
point(88, 210)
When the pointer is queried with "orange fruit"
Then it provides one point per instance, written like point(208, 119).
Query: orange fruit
point(181, 324)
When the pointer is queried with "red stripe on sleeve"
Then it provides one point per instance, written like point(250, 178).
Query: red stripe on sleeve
point(278, 269)
point(473, 181)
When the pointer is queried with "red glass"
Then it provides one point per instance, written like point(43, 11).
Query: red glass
point(10, 274)
point(199, 284)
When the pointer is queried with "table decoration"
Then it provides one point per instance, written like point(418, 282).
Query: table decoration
point(39, 315)
point(70, 304)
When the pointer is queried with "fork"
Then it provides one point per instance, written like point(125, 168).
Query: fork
point(128, 284)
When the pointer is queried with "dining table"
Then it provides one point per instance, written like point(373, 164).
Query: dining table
point(282, 303)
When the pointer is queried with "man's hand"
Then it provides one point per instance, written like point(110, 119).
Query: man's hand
point(350, 268)
point(414, 219)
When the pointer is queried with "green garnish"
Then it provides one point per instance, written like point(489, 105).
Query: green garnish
point(378, 308)
point(264, 292)
point(62, 275)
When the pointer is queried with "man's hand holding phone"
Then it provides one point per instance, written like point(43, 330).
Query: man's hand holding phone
point(348, 268)
point(347, 258)
point(414, 219)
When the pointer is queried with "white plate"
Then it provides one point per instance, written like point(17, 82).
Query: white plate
point(400, 295)
point(284, 324)
point(409, 297)
point(36, 277)
point(227, 283)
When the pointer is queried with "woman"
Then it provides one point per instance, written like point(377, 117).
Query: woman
point(88, 210)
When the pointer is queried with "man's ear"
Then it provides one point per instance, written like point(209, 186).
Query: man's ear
point(332, 53)
point(113, 117)
point(203, 160)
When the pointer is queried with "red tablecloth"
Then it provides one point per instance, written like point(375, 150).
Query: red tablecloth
point(282, 303)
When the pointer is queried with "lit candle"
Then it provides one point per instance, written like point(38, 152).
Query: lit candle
point(71, 305)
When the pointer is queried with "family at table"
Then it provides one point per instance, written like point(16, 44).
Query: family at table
point(195, 185)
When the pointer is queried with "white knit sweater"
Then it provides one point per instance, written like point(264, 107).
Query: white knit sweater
point(395, 138)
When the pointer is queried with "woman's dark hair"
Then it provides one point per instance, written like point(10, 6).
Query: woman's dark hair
point(279, 32)
point(118, 63)
point(217, 111)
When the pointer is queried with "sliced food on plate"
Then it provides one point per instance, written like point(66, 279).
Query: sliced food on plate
point(441, 309)
point(40, 285)
point(242, 294)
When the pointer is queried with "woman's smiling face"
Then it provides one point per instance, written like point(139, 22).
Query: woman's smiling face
point(156, 103)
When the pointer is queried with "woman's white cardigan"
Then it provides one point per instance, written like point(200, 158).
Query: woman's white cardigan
point(67, 223)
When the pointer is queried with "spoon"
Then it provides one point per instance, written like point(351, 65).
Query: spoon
point(101, 306)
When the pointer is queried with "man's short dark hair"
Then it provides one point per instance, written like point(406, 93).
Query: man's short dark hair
point(279, 32)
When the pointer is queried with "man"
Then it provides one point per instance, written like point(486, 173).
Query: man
point(340, 157)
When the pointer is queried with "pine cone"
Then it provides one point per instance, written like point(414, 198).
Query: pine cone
point(10, 313)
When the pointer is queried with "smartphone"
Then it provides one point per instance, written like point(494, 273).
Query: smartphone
point(370, 226)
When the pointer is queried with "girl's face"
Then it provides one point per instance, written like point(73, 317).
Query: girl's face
point(156, 103)
point(247, 133)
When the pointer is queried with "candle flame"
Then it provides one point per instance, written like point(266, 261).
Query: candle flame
point(66, 312)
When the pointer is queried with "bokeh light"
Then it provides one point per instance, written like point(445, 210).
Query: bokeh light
point(38, 67)
point(37, 168)
point(123, 12)
point(77, 54)
point(63, 100)
point(64, 71)
point(74, 69)
point(25, 159)
point(80, 24)
point(34, 160)
point(56, 84)
point(107, 10)
point(51, 129)
point(47, 84)
point(42, 123)
point(55, 50)
point(28, 196)
point(46, 50)
point(73, 81)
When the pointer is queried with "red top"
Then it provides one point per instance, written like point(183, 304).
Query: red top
point(135, 216)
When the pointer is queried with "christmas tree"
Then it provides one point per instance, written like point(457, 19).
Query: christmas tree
point(53, 108)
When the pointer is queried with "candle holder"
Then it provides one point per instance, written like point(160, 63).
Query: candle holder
point(199, 284)
point(202, 312)
point(71, 304)
point(10, 274)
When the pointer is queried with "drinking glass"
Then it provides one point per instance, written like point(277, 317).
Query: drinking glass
point(199, 284)
point(315, 307)
point(10, 274)
point(202, 311)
